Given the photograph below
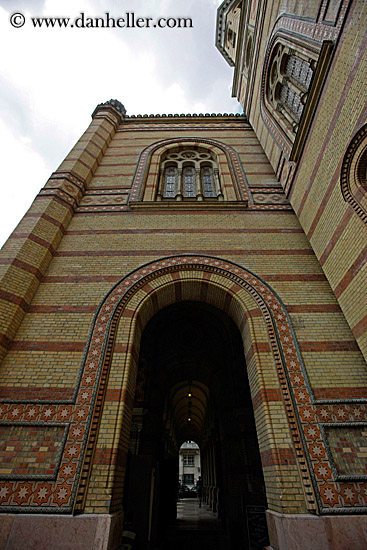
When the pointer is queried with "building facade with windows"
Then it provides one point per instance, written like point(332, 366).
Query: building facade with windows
point(200, 277)
point(189, 464)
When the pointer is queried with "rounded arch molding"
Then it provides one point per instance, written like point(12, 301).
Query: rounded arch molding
point(353, 177)
point(124, 312)
point(244, 297)
point(155, 150)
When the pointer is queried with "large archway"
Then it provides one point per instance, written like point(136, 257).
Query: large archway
point(298, 468)
point(193, 385)
point(274, 366)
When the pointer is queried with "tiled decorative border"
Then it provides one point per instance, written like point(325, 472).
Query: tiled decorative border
point(305, 415)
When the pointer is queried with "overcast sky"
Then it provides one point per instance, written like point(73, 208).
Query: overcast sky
point(51, 79)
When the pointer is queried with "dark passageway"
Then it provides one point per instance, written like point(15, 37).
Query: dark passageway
point(192, 385)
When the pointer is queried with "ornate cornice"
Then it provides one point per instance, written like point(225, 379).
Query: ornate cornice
point(240, 116)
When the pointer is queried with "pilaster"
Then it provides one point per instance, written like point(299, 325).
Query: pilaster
point(27, 254)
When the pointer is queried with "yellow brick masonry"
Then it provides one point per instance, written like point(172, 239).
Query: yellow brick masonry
point(346, 90)
point(270, 244)
point(289, 487)
point(36, 241)
point(336, 233)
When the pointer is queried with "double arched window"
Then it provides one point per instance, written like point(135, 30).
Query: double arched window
point(189, 174)
point(289, 79)
point(294, 71)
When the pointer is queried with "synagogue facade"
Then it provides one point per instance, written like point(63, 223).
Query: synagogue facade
point(200, 277)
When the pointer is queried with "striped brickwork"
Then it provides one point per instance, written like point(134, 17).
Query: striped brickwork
point(317, 21)
point(313, 184)
point(27, 254)
point(332, 225)
point(71, 363)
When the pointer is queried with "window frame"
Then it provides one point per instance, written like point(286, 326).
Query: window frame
point(186, 159)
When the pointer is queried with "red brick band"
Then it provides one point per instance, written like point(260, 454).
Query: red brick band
point(24, 266)
point(154, 253)
point(63, 309)
point(13, 299)
point(46, 217)
point(329, 346)
point(278, 457)
point(358, 264)
point(265, 396)
point(47, 346)
point(35, 393)
point(336, 236)
point(360, 327)
point(257, 347)
point(340, 393)
point(313, 308)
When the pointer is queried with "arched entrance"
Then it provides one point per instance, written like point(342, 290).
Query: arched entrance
point(194, 386)
point(277, 380)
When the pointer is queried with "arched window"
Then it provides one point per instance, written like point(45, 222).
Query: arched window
point(170, 181)
point(299, 71)
point(208, 182)
point(289, 78)
point(189, 174)
point(293, 77)
point(188, 177)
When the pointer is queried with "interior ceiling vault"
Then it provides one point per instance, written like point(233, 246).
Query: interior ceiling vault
point(188, 347)
point(189, 401)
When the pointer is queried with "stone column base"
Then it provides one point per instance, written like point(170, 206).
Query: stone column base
point(56, 532)
point(306, 532)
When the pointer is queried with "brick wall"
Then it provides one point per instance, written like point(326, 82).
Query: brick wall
point(48, 356)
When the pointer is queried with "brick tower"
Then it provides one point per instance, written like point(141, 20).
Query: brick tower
point(199, 277)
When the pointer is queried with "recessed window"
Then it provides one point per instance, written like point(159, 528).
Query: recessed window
point(289, 78)
point(248, 50)
point(188, 460)
point(189, 174)
point(188, 479)
point(231, 37)
point(189, 187)
point(208, 182)
point(170, 181)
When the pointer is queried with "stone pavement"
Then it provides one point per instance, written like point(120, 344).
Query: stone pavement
point(195, 529)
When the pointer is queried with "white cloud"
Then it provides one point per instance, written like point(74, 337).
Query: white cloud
point(24, 175)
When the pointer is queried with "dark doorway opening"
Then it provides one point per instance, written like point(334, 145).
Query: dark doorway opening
point(192, 385)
